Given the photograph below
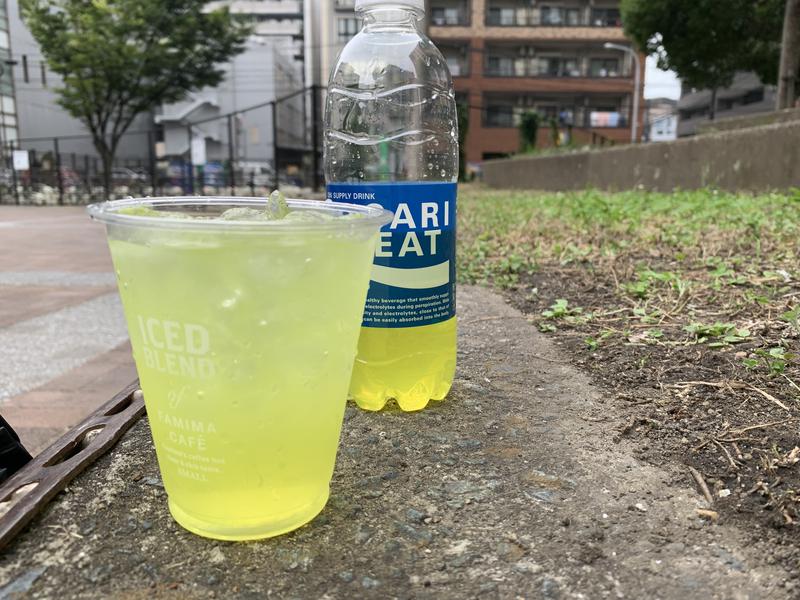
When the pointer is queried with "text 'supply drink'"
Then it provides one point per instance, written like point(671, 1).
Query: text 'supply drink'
point(391, 140)
point(244, 370)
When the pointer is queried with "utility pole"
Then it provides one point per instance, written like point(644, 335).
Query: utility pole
point(790, 56)
point(637, 84)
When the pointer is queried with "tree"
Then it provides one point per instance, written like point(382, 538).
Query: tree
point(120, 58)
point(529, 130)
point(706, 41)
point(462, 110)
point(789, 71)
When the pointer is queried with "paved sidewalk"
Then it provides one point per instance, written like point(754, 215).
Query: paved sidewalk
point(515, 486)
point(63, 342)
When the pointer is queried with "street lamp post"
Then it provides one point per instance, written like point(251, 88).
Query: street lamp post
point(636, 83)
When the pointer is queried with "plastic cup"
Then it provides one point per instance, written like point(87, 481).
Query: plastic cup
point(244, 335)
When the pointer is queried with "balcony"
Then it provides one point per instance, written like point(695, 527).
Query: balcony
point(449, 13)
point(520, 13)
point(527, 61)
point(505, 111)
point(457, 58)
point(605, 17)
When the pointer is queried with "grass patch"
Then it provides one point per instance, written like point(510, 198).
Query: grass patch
point(686, 304)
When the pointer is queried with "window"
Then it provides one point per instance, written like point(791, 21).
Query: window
point(346, 27)
point(551, 15)
point(500, 66)
point(606, 17)
point(572, 16)
point(7, 105)
point(547, 112)
point(753, 96)
point(444, 16)
point(559, 67)
point(4, 39)
point(557, 15)
point(504, 17)
point(604, 67)
point(456, 61)
point(499, 116)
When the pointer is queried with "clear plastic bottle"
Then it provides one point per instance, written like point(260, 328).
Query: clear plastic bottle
point(391, 138)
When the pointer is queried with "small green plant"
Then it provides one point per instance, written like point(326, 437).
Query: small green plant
point(560, 310)
point(774, 360)
point(642, 287)
point(592, 343)
point(654, 334)
point(638, 288)
point(646, 317)
point(793, 317)
point(718, 334)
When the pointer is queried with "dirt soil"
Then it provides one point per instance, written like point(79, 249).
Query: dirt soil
point(524, 483)
point(691, 404)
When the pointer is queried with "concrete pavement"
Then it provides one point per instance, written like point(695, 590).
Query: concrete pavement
point(63, 342)
point(516, 486)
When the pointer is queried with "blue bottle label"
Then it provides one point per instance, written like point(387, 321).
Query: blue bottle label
point(413, 280)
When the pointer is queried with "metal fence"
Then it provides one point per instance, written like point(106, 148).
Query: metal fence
point(191, 150)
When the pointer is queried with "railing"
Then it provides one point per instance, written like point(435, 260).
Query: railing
point(506, 16)
point(520, 68)
point(449, 17)
point(506, 117)
point(510, 18)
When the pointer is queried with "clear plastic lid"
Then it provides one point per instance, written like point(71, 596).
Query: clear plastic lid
point(418, 5)
point(206, 213)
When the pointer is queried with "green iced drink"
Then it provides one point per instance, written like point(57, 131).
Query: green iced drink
point(244, 322)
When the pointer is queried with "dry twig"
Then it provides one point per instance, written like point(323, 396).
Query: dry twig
point(703, 485)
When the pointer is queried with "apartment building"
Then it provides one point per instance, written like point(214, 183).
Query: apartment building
point(747, 95)
point(509, 57)
point(337, 24)
point(8, 103)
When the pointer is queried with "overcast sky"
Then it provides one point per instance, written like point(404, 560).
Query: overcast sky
point(660, 84)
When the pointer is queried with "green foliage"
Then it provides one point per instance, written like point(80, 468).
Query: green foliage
point(720, 334)
point(529, 130)
point(463, 127)
point(495, 224)
point(774, 360)
point(560, 310)
point(119, 58)
point(555, 137)
point(641, 288)
point(792, 317)
point(706, 41)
